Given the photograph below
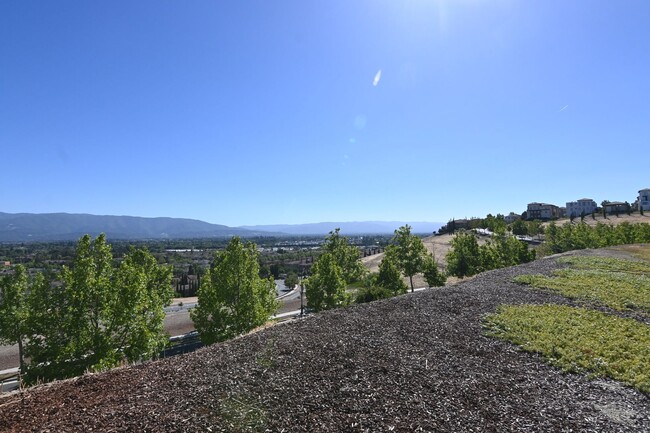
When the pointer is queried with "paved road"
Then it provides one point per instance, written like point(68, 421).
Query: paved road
point(177, 322)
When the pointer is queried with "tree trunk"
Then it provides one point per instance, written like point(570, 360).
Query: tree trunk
point(21, 358)
point(411, 279)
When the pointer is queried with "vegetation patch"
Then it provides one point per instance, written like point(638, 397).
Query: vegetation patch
point(619, 284)
point(241, 414)
point(578, 340)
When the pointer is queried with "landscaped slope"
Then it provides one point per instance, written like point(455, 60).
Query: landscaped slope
point(419, 362)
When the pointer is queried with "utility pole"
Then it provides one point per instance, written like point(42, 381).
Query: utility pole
point(302, 291)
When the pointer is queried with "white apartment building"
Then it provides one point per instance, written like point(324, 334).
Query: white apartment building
point(644, 199)
point(584, 206)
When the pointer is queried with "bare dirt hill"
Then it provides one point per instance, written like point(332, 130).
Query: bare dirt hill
point(418, 362)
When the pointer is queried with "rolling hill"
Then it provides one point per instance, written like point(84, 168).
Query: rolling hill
point(23, 227)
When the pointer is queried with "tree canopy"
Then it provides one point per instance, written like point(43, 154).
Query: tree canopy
point(463, 259)
point(390, 277)
point(98, 315)
point(326, 286)
point(93, 316)
point(346, 256)
point(338, 266)
point(13, 310)
point(410, 252)
point(233, 299)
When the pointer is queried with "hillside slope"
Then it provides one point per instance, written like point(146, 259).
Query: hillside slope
point(62, 226)
point(418, 362)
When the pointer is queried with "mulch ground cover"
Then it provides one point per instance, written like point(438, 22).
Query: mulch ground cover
point(419, 362)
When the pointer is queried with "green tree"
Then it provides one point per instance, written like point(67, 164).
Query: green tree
point(99, 316)
point(372, 293)
point(390, 277)
point(410, 252)
point(346, 256)
point(432, 274)
point(535, 228)
point(13, 310)
point(502, 251)
point(463, 259)
point(326, 286)
point(233, 299)
point(291, 280)
point(519, 227)
point(143, 291)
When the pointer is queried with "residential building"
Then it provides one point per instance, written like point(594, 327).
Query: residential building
point(644, 199)
point(584, 206)
point(511, 217)
point(542, 211)
point(616, 207)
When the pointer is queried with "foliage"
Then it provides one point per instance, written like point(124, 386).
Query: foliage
point(291, 280)
point(567, 237)
point(13, 310)
point(578, 340)
point(466, 257)
point(99, 316)
point(233, 299)
point(339, 266)
point(503, 251)
point(493, 223)
point(409, 252)
point(346, 256)
point(325, 288)
point(463, 259)
point(432, 275)
point(519, 227)
point(619, 284)
point(390, 277)
point(372, 293)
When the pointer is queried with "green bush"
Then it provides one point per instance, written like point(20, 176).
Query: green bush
point(369, 294)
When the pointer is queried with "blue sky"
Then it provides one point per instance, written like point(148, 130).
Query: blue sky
point(263, 112)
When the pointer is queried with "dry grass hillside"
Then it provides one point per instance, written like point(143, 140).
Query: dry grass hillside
point(611, 219)
point(437, 245)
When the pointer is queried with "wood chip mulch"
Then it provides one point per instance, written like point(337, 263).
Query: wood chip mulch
point(419, 362)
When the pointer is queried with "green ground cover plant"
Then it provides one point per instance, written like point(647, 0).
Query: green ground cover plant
point(578, 340)
point(616, 283)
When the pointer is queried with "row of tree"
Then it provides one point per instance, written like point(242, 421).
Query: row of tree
point(97, 313)
point(340, 267)
point(93, 315)
point(466, 257)
point(566, 237)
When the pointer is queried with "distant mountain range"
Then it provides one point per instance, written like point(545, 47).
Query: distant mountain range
point(62, 226)
point(348, 228)
point(22, 227)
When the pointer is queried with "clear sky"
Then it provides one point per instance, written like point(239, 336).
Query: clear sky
point(261, 112)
